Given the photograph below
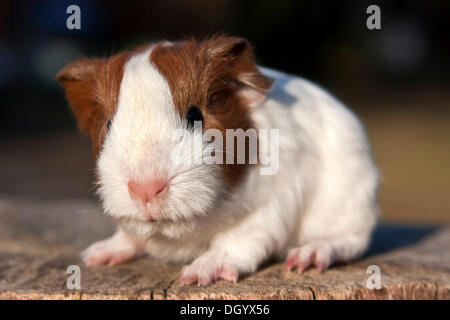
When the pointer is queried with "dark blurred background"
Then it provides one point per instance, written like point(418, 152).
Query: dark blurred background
point(396, 79)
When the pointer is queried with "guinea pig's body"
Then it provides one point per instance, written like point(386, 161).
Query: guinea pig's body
point(316, 207)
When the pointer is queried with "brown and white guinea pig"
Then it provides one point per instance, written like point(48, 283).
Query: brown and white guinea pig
point(314, 205)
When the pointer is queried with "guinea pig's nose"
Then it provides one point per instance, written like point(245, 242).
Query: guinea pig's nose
point(146, 191)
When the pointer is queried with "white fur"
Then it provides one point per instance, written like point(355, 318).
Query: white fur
point(323, 196)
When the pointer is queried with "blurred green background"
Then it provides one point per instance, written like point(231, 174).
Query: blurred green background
point(396, 79)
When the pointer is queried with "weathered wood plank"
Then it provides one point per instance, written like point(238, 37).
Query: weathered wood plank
point(38, 241)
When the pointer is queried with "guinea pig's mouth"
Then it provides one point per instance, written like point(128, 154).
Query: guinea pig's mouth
point(149, 221)
point(151, 213)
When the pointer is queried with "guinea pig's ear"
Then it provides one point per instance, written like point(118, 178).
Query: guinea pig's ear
point(235, 56)
point(79, 81)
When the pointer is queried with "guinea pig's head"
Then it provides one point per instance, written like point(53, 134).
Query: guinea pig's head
point(135, 104)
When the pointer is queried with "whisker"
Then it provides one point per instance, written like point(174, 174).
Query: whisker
point(101, 134)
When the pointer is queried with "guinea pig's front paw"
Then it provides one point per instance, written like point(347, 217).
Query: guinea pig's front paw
point(318, 254)
point(103, 252)
point(112, 251)
point(206, 269)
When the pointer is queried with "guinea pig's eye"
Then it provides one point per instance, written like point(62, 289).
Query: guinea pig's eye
point(194, 114)
point(108, 124)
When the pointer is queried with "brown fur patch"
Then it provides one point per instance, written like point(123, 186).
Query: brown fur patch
point(92, 89)
point(208, 74)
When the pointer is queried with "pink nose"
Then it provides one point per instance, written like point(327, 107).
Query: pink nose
point(147, 191)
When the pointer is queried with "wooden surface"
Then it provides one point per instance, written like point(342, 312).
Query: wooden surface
point(40, 239)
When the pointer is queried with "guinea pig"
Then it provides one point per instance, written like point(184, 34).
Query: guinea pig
point(311, 199)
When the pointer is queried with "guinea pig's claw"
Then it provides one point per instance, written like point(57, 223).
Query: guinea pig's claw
point(312, 254)
point(205, 275)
